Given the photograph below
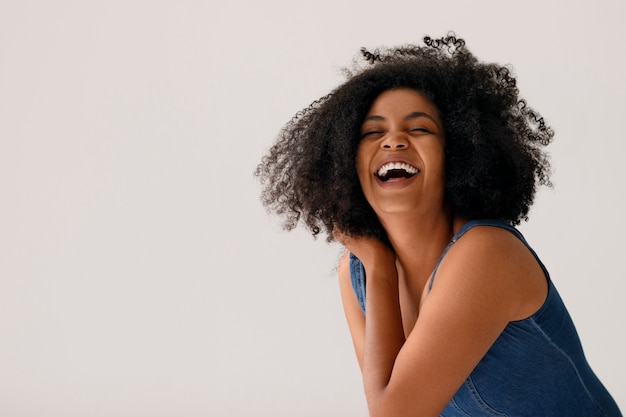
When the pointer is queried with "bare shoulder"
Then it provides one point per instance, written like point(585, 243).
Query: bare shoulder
point(344, 265)
point(490, 246)
point(496, 263)
point(345, 281)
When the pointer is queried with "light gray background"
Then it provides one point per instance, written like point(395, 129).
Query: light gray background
point(140, 276)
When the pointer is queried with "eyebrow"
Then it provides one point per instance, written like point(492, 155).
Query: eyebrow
point(414, 115)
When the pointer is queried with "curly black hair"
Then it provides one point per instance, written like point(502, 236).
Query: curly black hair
point(494, 155)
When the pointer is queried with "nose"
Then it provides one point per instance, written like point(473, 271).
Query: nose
point(395, 141)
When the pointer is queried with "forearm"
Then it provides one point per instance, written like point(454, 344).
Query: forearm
point(379, 335)
point(384, 334)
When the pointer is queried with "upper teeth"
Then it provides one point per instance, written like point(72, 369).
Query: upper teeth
point(382, 171)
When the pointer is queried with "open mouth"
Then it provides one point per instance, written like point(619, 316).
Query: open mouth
point(396, 171)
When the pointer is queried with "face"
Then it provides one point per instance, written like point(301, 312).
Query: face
point(400, 159)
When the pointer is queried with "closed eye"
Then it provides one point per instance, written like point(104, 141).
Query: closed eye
point(371, 133)
point(420, 130)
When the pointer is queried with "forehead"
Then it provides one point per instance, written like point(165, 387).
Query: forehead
point(402, 101)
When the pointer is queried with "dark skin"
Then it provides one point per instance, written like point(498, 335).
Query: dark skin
point(415, 348)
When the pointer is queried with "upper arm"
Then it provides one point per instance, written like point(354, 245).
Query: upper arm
point(479, 289)
point(352, 308)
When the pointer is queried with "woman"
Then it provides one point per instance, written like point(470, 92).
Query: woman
point(420, 164)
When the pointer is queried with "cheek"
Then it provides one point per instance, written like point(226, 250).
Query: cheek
point(436, 157)
point(363, 175)
point(362, 167)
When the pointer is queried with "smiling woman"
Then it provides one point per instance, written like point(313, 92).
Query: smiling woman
point(420, 164)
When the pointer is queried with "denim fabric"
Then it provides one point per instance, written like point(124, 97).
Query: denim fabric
point(535, 368)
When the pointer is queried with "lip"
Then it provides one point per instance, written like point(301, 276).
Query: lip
point(399, 184)
point(396, 185)
point(396, 159)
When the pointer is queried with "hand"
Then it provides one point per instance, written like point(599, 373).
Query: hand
point(369, 250)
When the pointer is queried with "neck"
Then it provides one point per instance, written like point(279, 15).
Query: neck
point(418, 241)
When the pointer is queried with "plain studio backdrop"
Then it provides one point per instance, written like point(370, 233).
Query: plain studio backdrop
point(140, 275)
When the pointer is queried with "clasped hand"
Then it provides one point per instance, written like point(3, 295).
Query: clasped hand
point(370, 251)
